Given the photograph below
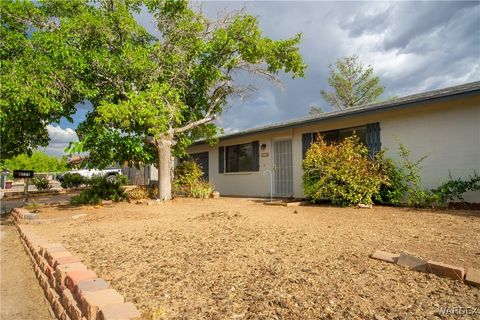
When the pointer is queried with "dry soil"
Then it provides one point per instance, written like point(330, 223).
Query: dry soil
point(232, 258)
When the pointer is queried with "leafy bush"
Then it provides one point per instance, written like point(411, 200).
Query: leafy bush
point(101, 188)
point(393, 188)
point(454, 189)
point(187, 174)
point(72, 180)
point(342, 173)
point(201, 189)
point(85, 197)
point(41, 183)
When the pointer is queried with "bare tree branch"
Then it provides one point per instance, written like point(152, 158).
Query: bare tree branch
point(194, 124)
point(261, 71)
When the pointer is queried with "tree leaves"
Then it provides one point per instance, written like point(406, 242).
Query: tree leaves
point(36, 88)
point(139, 84)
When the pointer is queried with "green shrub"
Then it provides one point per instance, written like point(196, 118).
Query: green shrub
point(72, 180)
point(454, 189)
point(393, 188)
point(201, 189)
point(41, 183)
point(101, 188)
point(342, 173)
point(187, 174)
point(85, 197)
point(416, 195)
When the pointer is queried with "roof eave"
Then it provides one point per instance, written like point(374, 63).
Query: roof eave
point(401, 103)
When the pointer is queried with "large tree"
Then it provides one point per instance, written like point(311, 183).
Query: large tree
point(353, 84)
point(34, 89)
point(156, 91)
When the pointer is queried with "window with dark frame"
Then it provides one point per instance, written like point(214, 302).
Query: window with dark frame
point(336, 136)
point(368, 134)
point(240, 158)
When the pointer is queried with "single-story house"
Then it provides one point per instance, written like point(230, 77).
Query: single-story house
point(443, 124)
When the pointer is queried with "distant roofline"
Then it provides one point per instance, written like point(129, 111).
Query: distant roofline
point(468, 89)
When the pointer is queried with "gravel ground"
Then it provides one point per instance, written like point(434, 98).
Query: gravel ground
point(233, 258)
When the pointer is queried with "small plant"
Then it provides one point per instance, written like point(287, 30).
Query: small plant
point(72, 180)
point(33, 206)
point(102, 188)
point(202, 190)
point(416, 196)
point(342, 173)
point(41, 183)
point(454, 189)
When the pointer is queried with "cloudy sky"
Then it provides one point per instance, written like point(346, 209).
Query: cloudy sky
point(413, 47)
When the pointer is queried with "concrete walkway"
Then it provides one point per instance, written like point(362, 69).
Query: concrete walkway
point(8, 204)
point(21, 296)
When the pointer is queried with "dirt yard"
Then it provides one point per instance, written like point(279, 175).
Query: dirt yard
point(21, 297)
point(234, 258)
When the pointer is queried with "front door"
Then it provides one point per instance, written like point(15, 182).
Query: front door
point(283, 169)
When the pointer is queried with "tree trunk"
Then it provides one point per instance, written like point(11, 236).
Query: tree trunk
point(164, 149)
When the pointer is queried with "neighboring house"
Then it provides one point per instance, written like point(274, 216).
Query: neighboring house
point(443, 124)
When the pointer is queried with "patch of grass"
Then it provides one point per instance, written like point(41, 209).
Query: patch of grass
point(34, 206)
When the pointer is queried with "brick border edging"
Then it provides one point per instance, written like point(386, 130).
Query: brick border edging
point(471, 277)
point(73, 291)
point(21, 215)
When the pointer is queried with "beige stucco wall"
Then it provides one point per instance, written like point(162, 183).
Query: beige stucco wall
point(448, 132)
point(254, 184)
point(449, 135)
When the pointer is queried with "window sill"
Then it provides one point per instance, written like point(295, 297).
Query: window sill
point(245, 173)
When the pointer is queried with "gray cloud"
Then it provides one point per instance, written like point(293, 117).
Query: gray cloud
point(413, 47)
point(412, 20)
point(365, 22)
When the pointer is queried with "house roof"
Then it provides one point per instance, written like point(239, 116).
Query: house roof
point(468, 89)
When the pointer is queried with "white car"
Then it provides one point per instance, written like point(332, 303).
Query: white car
point(111, 174)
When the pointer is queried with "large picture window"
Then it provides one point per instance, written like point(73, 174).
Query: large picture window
point(242, 157)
